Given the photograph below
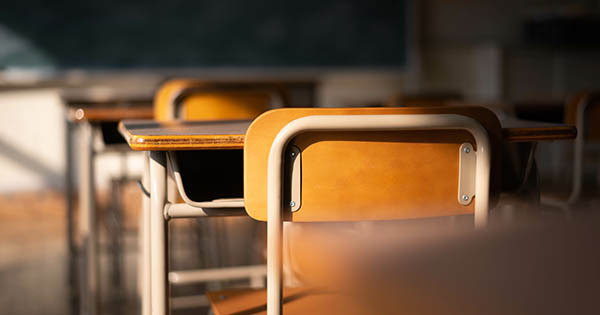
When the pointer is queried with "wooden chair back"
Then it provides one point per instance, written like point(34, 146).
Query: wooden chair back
point(191, 99)
point(367, 175)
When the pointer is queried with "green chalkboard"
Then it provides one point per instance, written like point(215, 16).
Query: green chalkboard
point(202, 33)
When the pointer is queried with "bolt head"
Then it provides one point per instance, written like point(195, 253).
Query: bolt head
point(79, 114)
point(465, 198)
point(466, 149)
point(292, 203)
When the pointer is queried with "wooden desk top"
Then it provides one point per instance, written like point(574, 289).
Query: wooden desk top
point(109, 113)
point(107, 105)
point(516, 130)
point(146, 135)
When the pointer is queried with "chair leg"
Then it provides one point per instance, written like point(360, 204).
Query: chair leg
point(158, 262)
point(274, 233)
point(274, 266)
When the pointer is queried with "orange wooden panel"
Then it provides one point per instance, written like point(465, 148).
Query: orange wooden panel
point(225, 105)
point(390, 175)
point(215, 100)
point(166, 94)
point(368, 175)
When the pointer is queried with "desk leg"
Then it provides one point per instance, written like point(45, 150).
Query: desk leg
point(530, 186)
point(144, 242)
point(158, 235)
point(577, 166)
point(71, 246)
point(87, 219)
point(113, 219)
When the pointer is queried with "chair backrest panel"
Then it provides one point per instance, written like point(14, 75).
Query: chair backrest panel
point(349, 176)
point(166, 94)
point(193, 99)
point(225, 105)
point(389, 174)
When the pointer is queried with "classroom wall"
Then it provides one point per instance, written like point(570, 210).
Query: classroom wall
point(475, 71)
point(32, 144)
point(358, 88)
point(31, 140)
point(474, 47)
point(32, 129)
point(477, 47)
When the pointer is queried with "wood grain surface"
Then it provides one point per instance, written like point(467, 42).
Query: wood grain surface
point(172, 136)
point(409, 174)
point(184, 135)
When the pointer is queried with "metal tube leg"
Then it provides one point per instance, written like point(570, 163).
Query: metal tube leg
point(577, 167)
point(158, 235)
point(87, 224)
point(274, 264)
point(579, 147)
point(144, 243)
point(114, 223)
point(274, 233)
point(72, 248)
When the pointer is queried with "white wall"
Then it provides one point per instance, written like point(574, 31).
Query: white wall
point(31, 140)
point(354, 88)
point(32, 144)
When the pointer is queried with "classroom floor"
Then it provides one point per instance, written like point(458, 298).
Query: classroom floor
point(34, 260)
point(34, 255)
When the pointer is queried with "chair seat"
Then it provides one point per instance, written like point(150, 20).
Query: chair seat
point(296, 301)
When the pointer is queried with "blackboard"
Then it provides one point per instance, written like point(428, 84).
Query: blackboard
point(203, 33)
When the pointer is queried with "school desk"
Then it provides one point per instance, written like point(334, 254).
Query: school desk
point(90, 118)
point(161, 137)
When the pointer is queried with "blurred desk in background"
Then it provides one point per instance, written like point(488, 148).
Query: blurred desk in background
point(93, 118)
